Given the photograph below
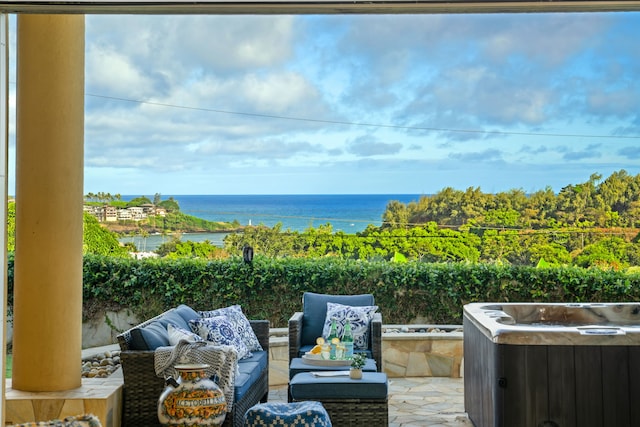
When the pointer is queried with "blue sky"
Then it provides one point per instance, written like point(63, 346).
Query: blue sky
point(356, 104)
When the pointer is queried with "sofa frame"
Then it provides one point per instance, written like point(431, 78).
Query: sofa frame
point(142, 387)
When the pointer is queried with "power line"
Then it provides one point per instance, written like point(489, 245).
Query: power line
point(364, 124)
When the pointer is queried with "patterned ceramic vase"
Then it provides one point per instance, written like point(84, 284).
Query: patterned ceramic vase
point(195, 401)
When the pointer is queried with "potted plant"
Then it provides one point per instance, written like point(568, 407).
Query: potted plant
point(359, 359)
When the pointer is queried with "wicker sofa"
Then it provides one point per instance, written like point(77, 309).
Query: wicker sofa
point(142, 387)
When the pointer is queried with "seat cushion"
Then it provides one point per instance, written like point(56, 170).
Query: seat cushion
point(186, 312)
point(249, 371)
point(314, 311)
point(373, 386)
point(154, 334)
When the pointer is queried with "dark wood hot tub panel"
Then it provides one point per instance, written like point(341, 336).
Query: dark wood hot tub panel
point(563, 386)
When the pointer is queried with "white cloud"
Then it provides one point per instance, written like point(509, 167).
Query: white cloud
point(174, 100)
point(113, 73)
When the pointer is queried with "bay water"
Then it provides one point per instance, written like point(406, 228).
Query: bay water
point(349, 213)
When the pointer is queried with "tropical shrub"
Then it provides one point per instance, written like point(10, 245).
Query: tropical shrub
point(269, 288)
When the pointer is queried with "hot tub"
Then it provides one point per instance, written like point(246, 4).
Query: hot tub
point(552, 365)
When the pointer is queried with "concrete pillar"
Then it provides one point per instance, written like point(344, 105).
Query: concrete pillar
point(47, 339)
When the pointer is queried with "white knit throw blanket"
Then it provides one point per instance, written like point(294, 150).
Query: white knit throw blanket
point(222, 361)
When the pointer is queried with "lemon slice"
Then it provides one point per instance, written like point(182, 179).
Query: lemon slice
point(319, 340)
point(316, 349)
point(335, 340)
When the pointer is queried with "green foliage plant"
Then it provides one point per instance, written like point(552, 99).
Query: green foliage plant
point(359, 360)
point(272, 288)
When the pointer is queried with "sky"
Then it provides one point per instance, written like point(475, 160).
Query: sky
point(356, 104)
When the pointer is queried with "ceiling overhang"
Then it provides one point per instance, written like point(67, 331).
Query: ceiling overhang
point(255, 7)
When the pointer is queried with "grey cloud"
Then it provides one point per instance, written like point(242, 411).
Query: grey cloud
point(617, 102)
point(259, 149)
point(590, 152)
point(366, 146)
point(489, 155)
point(529, 149)
point(631, 153)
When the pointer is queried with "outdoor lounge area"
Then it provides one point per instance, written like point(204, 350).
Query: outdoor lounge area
point(424, 384)
point(413, 401)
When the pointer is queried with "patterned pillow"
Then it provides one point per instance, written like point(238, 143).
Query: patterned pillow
point(360, 317)
point(176, 333)
point(240, 324)
point(219, 331)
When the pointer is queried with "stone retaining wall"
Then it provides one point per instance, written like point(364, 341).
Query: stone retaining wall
point(404, 354)
point(432, 354)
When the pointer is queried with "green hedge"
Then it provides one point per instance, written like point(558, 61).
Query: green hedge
point(272, 288)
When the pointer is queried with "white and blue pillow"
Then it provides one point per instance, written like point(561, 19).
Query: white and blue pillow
point(240, 324)
point(220, 331)
point(359, 317)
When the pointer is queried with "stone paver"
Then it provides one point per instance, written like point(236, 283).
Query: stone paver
point(417, 402)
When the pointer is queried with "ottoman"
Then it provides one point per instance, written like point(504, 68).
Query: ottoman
point(363, 402)
point(298, 365)
point(303, 414)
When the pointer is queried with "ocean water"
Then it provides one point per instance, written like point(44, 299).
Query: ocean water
point(347, 213)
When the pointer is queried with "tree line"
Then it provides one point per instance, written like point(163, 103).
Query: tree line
point(612, 202)
point(592, 224)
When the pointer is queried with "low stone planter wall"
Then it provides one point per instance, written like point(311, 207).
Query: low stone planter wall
point(422, 351)
point(406, 352)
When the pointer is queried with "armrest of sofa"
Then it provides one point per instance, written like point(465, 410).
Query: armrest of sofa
point(376, 339)
point(295, 335)
point(261, 329)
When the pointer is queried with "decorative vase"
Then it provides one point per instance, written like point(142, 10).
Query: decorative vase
point(355, 373)
point(195, 400)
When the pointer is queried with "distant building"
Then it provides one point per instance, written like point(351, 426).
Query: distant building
point(107, 213)
point(137, 213)
point(110, 213)
point(123, 214)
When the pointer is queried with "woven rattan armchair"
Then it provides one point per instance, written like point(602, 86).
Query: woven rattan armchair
point(306, 326)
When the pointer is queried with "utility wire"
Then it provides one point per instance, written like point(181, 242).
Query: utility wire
point(364, 124)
